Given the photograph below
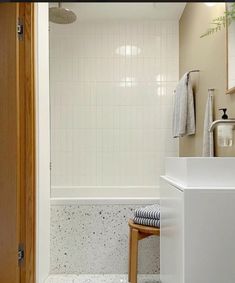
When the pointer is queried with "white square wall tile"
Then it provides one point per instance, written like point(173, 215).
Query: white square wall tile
point(111, 111)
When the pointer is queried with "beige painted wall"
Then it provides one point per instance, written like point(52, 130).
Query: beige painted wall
point(209, 55)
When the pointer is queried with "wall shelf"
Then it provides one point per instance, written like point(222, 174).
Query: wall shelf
point(230, 90)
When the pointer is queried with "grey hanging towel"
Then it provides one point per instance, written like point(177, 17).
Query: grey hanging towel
point(183, 115)
point(208, 139)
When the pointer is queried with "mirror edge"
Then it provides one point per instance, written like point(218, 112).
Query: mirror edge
point(228, 90)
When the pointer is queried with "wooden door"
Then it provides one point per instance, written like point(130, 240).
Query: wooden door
point(17, 173)
point(9, 144)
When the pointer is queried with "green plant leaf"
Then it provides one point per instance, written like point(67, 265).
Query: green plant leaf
point(221, 21)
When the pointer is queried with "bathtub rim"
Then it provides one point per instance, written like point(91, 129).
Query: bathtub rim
point(105, 192)
point(102, 201)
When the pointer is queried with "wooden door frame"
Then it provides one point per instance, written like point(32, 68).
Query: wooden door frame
point(27, 143)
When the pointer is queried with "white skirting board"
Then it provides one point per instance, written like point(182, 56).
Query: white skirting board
point(101, 278)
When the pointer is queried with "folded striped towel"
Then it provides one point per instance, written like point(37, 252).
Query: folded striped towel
point(147, 221)
point(150, 212)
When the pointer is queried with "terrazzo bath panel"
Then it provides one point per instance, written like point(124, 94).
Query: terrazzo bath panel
point(93, 239)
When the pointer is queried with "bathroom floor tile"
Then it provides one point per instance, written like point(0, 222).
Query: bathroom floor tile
point(62, 278)
point(106, 278)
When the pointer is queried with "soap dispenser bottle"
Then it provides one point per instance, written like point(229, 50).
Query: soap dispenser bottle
point(225, 131)
point(224, 116)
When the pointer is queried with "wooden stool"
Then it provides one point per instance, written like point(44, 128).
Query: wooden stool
point(137, 232)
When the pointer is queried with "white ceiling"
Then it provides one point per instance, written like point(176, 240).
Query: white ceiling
point(100, 11)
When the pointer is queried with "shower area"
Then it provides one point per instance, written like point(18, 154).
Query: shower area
point(113, 71)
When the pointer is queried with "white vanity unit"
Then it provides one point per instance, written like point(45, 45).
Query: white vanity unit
point(198, 221)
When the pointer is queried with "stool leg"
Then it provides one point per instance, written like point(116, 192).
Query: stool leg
point(130, 246)
point(134, 255)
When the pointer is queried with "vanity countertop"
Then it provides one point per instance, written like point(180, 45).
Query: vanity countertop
point(201, 172)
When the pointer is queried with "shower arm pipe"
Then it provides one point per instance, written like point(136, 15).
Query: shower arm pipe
point(221, 121)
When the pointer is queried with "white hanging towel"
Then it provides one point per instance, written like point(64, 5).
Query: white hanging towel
point(208, 139)
point(183, 116)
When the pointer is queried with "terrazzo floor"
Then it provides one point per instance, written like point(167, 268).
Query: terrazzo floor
point(107, 278)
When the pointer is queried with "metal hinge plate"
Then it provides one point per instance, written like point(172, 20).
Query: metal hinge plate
point(20, 29)
point(20, 254)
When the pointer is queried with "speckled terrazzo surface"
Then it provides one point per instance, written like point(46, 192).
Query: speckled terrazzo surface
point(108, 278)
point(93, 239)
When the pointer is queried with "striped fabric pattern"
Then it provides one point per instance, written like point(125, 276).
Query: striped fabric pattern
point(150, 212)
point(149, 215)
point(147, 221)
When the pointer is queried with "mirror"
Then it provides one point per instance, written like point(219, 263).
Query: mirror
point(230, 39)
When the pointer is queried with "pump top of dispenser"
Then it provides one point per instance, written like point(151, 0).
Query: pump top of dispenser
point(224, 116)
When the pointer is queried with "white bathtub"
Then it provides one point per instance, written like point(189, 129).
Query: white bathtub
point(102, 201)
point(104, 194)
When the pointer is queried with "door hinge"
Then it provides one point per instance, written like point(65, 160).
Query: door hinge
point(20, 253)
point(20, 29)
point(50, 165)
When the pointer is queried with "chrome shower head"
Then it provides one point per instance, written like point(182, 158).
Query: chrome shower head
point(61, 15)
